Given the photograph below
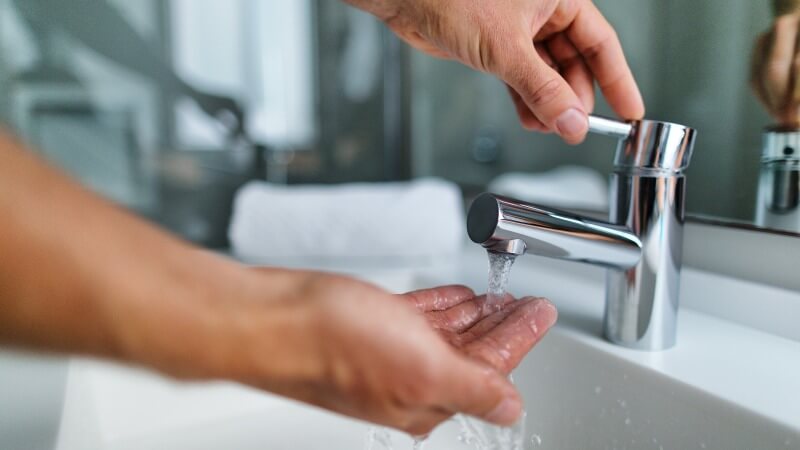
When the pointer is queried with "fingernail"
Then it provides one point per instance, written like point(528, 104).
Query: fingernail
point(549, 312)
point(506, 413)
point(572, 122)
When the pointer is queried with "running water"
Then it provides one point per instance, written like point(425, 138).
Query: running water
point(499, 269)
point(475, 433)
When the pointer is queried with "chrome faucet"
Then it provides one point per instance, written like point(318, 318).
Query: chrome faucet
point(642, 244)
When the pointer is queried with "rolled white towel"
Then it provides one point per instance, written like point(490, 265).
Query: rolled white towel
point(408, 222)
point(570, 187)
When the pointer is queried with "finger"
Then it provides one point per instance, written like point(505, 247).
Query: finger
point(489, 322)
point(573, 68)
point(757, 64)
point(504, 346)
point(461, 317)
point(544, 53)
point(482, 392)
point(597, 42)
point(440, 298)
point(526, 117)
point(780, 58)
point(792, 116)
point(528, 120)
point(545, 93)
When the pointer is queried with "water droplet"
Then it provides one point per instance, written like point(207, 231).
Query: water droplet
point(598, 390)
point(622, 403)
point(378, 439)
point(702, 445)
point(536, 440)
point(627, 421)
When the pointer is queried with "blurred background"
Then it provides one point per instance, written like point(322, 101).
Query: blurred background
point(168, 106)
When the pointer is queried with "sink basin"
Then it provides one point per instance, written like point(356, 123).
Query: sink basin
point(575, 396)
point(31, 399)
point(718, 389)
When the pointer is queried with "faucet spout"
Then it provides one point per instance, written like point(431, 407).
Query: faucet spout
point(641, 246)
point(505, 225)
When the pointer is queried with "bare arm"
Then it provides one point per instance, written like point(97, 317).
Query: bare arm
point(65, 252)
point(80, 275)
point(550, 53)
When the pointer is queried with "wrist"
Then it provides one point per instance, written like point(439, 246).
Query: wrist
point(218, 319)
point(169, 314)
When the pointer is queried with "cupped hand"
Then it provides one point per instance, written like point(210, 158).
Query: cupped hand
point(406, 361)
point(548, 52)
point(775, 69)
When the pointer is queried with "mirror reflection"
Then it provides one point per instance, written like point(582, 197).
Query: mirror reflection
point(169, 99)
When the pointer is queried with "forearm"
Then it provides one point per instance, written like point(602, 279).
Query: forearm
point(80, 275)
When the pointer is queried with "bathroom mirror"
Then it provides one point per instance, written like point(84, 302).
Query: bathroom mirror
point(693, 63)
point(328, 95)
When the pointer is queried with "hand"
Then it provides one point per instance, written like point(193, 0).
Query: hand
point(406, 361)
point(385, 364)
point(775, 69)
point(548, 52)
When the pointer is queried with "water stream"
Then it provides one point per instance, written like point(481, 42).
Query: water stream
point(475, 433)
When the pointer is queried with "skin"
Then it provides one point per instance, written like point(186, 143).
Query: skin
point(775, 68)
point(82, 276)
point(548, 52)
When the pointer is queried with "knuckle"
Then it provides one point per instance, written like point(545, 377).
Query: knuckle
point(546, 93)
point(599, 47)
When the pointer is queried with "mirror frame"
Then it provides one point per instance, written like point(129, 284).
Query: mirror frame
point(743, 251)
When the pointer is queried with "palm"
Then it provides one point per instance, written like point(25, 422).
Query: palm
point(498, 338)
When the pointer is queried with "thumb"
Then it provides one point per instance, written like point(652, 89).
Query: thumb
point(546, 93)
point(482, 392)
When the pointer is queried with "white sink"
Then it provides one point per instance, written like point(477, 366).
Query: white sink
point(580, 391)
point(576, 398)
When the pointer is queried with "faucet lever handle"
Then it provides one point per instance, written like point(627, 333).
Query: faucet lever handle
point(609, 127)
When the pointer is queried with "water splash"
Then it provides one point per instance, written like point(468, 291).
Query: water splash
point(476, 433)
point(378, 438)
point(484, 436)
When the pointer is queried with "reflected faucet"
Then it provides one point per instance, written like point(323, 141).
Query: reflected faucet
point(641, 245)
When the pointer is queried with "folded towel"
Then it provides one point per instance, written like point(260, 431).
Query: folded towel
point(569, 187)
point(418, 221)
